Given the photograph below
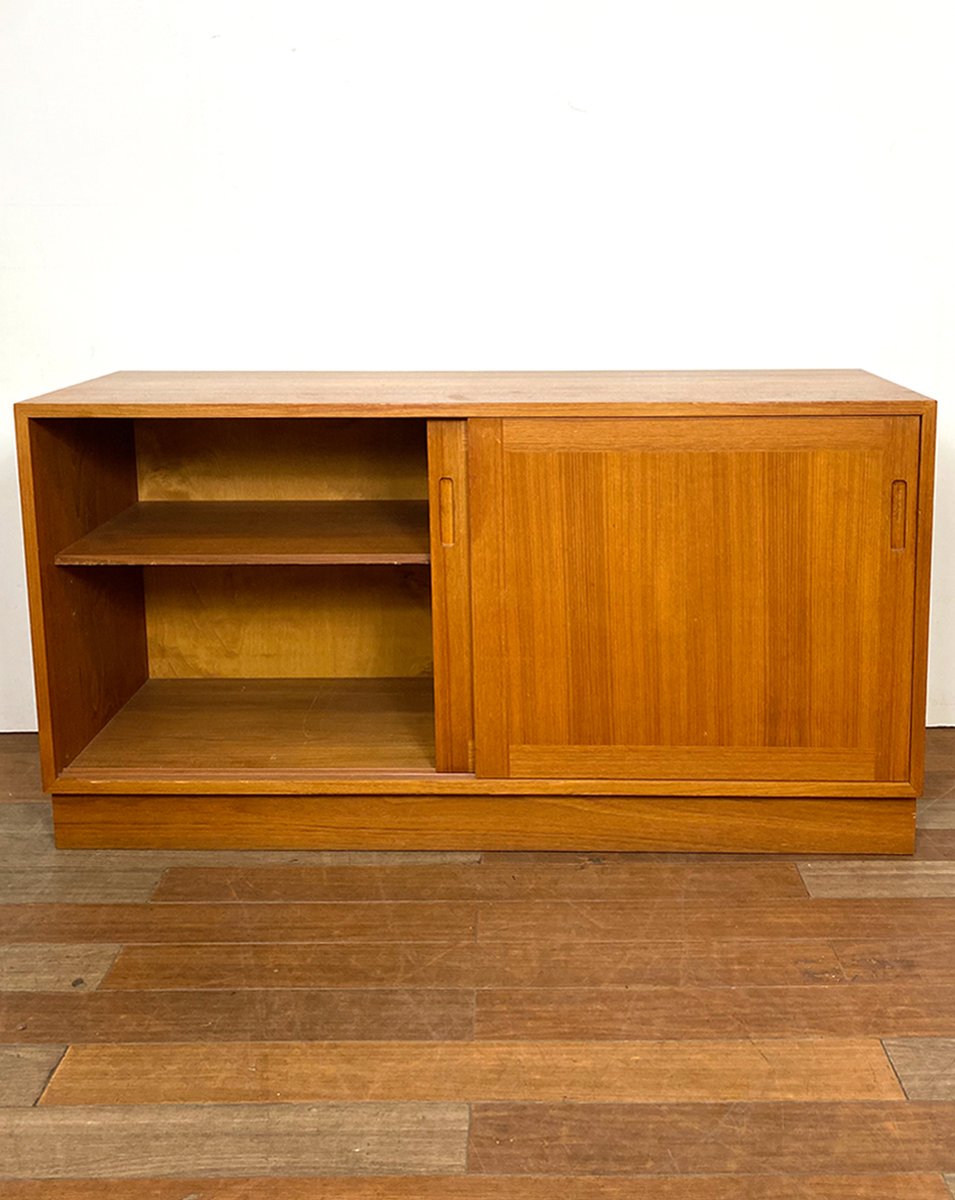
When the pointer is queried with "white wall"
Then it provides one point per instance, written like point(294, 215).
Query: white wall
point(424, 183)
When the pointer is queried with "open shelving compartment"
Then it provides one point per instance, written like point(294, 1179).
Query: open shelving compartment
point(245, 598)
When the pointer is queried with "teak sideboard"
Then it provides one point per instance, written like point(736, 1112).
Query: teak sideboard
point(592, 611)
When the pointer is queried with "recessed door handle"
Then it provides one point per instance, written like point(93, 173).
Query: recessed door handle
point(446, 510)
point(898, 513)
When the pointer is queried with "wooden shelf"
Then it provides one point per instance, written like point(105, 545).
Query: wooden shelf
point(170, 532)
point(180, 729)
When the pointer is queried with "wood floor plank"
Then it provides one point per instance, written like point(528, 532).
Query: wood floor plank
point(729, 883)
point(912, 960)
point(928, 844)
point(26, 829)
point(24, 1071)
point(940, 748)
point(358, 1139)
point(53, 968)
point(935, 845)
point(512, 964)
point(243, 1016)
point(774, 1069)
point(334, 922)
point(877, 1010)
point(925, 1066)
point(862, 880)
point(619, 920)
point(938, 812)
point(939, 782)
point(712, 1138)
point(65, 883)
point(20, 767)
point(490, 1187)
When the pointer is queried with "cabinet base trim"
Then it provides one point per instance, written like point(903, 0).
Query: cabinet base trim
point(796, 826)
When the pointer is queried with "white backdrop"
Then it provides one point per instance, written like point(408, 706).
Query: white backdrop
point(338, 184)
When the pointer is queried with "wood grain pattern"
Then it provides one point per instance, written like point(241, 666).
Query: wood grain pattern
point(501, 1187)
point(581, 1072)
point(281, 459)
point(572, 791)
point(451, 594)
point(486, 484)
point(469, 393)
point(691, 963)
point(397, 1014)
point(232, 1140)
point(621, 920)
point(19, 768)
point(699, 1138)
point(273, 531)
point(291, 621)
point(609, 538)
point(54, 968)
point(259, 726)
point(929, 959)
point(24, 1071)
point(940, 752)
point(67, 884)
point(930, 845)
point(393, 822)
point(529, 964)
point(517, 1014)
point(26, 834)
point(89, 644)
point(925, 1066)
point(935, 845)
point(656, 881)
point(876, 1010)
point(879, 879)
point(235, 922)
point(937, 812)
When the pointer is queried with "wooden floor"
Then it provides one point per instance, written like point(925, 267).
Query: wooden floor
point(310, 1026)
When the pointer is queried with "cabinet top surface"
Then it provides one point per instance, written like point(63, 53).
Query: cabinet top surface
point(465, 393)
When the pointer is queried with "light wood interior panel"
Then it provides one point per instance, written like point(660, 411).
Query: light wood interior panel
point(282, 459)
point(266, 726)
point(295, 621)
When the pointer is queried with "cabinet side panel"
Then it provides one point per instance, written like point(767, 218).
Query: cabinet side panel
point(89, 636)
point(451, 594)
point(923, 563)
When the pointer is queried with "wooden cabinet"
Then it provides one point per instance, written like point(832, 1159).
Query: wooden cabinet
point(595, 611)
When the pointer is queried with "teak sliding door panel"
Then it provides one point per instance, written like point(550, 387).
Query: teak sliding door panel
point(694, 598)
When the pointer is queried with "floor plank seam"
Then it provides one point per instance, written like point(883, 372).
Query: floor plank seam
point(49, 1079)
point(894, 1069)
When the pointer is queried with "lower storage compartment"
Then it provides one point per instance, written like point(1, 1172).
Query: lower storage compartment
point(298, 670)
point(181, 728)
